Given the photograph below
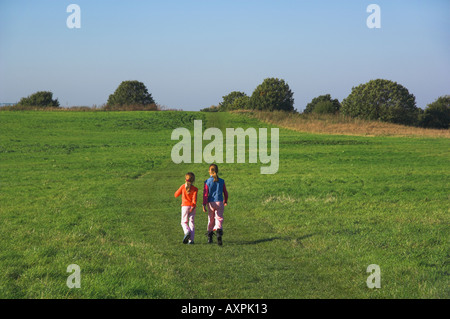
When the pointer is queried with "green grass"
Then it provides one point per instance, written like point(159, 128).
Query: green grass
point(96, 189)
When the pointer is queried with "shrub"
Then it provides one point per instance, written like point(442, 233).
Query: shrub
point(131, 93)
point(323, 104)
point(324, 107)
point(212, 108)
point(241, 103)
point(437, 114)
point(273, 94)
point(132, 107)
point(227, 102)
point(381, 100)
point(39, 99)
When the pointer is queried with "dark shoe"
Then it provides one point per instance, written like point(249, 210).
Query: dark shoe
point(186, 238)
point(219, 237)
point(191, 243)
point(210, 236)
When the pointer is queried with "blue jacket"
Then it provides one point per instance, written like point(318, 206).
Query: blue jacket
point(214, 191)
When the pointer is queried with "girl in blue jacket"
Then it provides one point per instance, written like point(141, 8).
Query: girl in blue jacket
point(215, 197)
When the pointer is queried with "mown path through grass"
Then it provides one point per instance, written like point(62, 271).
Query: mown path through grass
point(255, 261)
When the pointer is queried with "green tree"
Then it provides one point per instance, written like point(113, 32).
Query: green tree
point(39, 99)
point(324, 107)
point(382, 100)
point(437, 114)
point(323, 104)
point(228, 100)
point(273, 94)
point(241, 103)
point(130, 93)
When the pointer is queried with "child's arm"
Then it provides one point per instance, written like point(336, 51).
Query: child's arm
point(205, 197)
point(194, 200)
point(178, 192)
point(225, 193)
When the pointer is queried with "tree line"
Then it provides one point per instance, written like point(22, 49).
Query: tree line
point(379, 99)
point(129, 95)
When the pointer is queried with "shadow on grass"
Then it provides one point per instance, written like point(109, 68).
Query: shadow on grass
point(264, 240)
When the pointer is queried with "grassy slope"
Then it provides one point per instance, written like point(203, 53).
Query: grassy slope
point(96, 189)
point(342, 125)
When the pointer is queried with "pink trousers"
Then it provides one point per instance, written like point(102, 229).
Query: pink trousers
point(187, 221)
point(215, 215)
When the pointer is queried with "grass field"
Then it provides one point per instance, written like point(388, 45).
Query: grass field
point(96, 189)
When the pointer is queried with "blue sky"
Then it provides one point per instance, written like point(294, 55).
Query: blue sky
point(190, 53)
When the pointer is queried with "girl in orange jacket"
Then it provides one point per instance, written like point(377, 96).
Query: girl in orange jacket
point(188, 194)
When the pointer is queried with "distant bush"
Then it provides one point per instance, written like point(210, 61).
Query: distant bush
point(437, 114)
point(212, 108)
point(382, 100)
point(228, 100)
point(241, 103)
point(323, 104)
point(131, 94)
point(324, 107)
point(38, 99)
point(273, 94)
point(133, 107)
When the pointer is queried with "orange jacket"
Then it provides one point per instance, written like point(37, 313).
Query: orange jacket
point(187, 199)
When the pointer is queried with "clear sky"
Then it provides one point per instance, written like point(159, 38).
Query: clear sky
point(190, 53)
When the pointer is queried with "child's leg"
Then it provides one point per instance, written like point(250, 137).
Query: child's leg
point(184, 219)
point(219, 215)
point(211, 216)
point(219, 221)
point(192, 224)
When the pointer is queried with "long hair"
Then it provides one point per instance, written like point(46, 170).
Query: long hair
point(214, 170)
point(190, 179)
